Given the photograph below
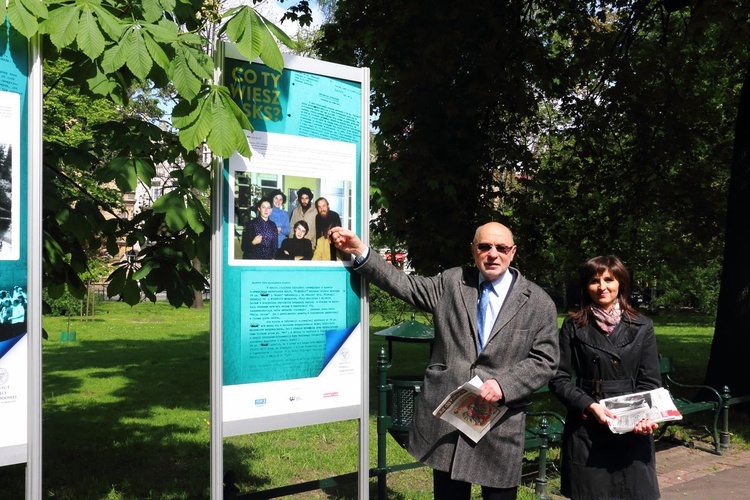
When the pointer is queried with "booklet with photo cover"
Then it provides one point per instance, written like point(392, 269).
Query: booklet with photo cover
point(465, 409)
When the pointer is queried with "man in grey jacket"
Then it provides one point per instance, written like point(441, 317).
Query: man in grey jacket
point(515, 354)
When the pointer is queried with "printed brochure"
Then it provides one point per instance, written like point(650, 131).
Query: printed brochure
point(465, 409)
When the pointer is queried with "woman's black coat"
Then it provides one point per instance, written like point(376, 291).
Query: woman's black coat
point(597, 464)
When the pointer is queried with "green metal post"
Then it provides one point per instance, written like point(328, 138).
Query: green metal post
point(383, 422)
point(725, 441)
point(540, 486)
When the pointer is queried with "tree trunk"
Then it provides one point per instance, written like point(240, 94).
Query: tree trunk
point(198, 294)
point(731, 342)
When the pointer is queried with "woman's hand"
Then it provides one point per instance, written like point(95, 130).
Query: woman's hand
point(645, 427)
point(258, 240)
point(600, 412)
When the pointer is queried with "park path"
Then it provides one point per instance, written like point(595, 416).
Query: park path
point(696, 474)
point(687, 473)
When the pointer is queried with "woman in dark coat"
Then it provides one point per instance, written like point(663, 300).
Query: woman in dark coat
point(606, 349)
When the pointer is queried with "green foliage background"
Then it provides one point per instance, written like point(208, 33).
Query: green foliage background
point(588, 128)
point(103, 62)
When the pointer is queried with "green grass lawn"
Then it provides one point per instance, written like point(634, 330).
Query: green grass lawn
point(126, 412)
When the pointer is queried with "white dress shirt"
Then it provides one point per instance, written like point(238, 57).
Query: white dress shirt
point(498, 293)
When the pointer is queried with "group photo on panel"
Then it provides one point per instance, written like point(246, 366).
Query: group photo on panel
point(12, 311)
point(493, 323)
point(272, 227)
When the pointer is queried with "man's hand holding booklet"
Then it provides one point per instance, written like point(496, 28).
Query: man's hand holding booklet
point(656, 406)
point(465, 409)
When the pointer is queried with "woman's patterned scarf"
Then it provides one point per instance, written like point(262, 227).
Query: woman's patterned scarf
point(607, 321)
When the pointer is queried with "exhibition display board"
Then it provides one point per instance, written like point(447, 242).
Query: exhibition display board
point(20, 255)
point(14, 349)
point(289, 328)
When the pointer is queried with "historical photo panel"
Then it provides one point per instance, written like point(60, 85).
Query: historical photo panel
point(286, 197)
point(10, 125)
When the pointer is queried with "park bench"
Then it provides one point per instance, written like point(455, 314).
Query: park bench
point(547, 427)
point(695, 399)
point(543, 428)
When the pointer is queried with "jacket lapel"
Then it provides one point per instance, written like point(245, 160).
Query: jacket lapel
point(470, 297)
point(517, 297)
point(592, 337)
point(623, 334)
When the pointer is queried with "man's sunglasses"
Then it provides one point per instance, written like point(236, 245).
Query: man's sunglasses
point(486, 247)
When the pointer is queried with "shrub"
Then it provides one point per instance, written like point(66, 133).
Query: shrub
point(65, 305)
point(391, 309)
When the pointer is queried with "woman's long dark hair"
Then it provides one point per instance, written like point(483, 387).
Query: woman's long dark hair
point(593, 268)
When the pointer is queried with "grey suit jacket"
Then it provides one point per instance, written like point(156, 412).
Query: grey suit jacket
point(521, 353)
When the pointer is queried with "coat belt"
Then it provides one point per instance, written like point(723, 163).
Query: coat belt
point(599, 388)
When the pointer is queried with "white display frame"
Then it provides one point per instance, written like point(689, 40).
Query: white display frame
point(359, 411)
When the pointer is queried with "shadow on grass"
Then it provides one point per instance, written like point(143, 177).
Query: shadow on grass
point(739, 425)
point(347, 490)
point(127, 440)
point(124, 419)
point(127, 418)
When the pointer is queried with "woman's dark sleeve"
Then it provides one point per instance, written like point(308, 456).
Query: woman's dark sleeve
point(561, 384)
point(248, 233)
point(649, 375)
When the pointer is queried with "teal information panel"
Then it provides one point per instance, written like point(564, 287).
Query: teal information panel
point(13, 244)
point(291, 307)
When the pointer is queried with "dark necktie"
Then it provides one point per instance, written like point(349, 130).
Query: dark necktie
point(484, 299)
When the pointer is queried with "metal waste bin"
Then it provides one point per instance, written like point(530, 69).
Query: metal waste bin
point(402, 404)
point(404, 390)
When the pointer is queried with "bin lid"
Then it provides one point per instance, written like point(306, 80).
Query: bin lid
point(409, 330)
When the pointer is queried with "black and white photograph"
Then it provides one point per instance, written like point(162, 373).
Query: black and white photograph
point(6, 193)
point(12, 311)
point(10, 147)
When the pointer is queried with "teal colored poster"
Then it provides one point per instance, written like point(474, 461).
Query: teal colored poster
point(291, 307)
point(13, 259)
